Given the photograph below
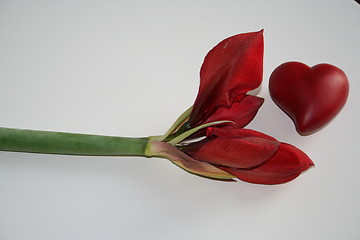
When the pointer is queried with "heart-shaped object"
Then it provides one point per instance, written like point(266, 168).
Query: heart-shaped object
point(311, 96)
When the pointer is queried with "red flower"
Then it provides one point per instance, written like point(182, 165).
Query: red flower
point(236, 148)
point(230, 70)
point(287, 163)
point(250, 156)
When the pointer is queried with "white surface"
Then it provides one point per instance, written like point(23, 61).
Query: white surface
point(129, 68)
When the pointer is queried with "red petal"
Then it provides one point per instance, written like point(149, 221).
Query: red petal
point(241, 112)
point(231, 68)
point(242, 133)
point(238, 150)
point(288, 163)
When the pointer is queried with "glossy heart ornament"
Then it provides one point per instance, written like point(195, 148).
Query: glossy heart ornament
point(311, 96)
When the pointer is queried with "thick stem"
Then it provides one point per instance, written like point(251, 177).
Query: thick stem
point(17, 140)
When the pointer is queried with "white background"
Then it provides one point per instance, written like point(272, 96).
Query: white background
point(129, 68)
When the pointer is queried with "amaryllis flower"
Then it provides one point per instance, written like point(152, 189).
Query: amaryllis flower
point(209, 138)
point(250, 156)
point(230, 70)
point(223, 149)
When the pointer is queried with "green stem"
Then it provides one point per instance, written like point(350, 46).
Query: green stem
point(17, 140)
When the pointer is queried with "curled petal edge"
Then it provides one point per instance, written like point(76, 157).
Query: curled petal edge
point(242, 111)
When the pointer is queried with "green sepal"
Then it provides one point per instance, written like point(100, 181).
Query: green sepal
point(182, 160)
point(177, 124)
point(186, 134)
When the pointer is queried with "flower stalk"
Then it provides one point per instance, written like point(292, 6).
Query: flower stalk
point(18, 140)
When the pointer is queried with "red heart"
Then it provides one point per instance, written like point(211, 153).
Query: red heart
point(311, 96)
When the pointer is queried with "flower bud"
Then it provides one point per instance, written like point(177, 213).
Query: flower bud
point(237, 148)
point(287, 164)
